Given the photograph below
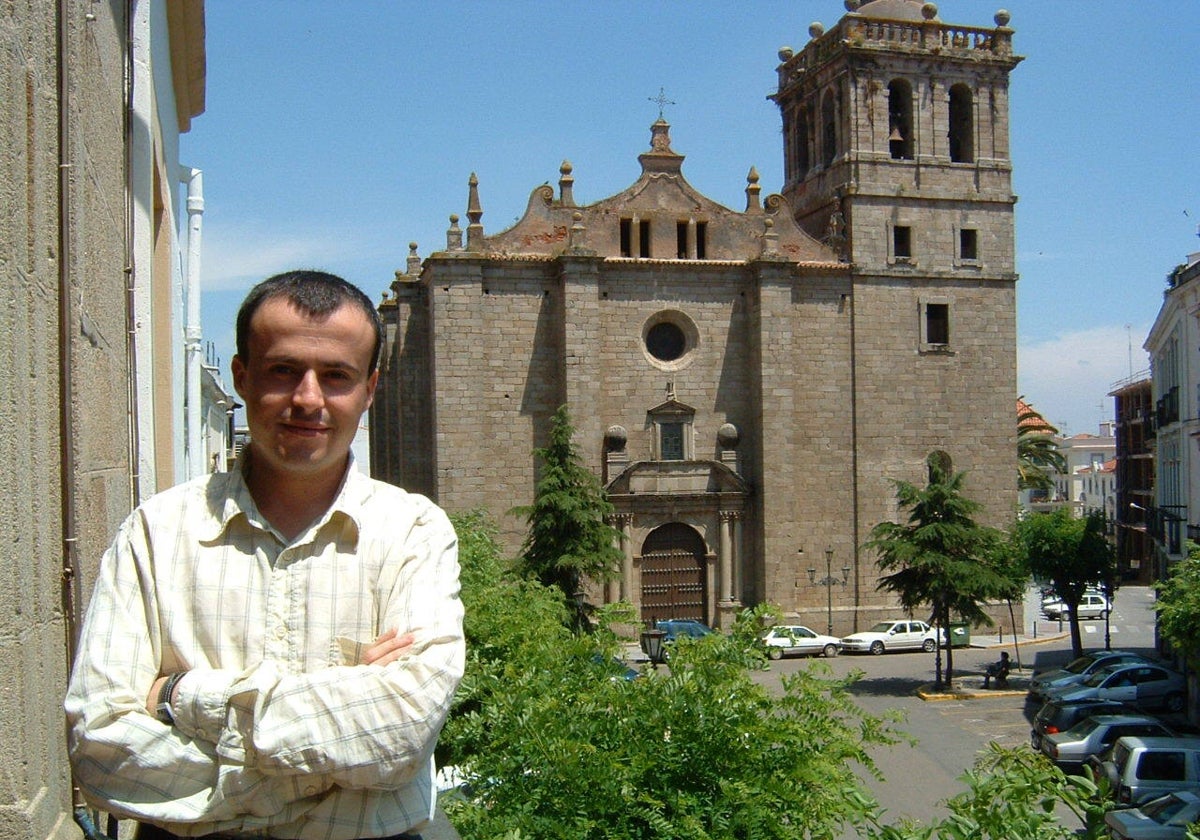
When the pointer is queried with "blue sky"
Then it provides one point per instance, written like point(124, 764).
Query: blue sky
point(336, 133)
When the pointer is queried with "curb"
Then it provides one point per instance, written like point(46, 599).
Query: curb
point(929, 694)
point(1024, 641)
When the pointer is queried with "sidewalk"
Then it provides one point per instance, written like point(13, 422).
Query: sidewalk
point(970, 686)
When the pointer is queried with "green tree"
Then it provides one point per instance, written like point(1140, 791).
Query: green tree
point(1038, 456)
point(941, 557)
point(553, 743)
point(1178, 607)
point(564, 748)
point(568, 541)
point(1071, 553)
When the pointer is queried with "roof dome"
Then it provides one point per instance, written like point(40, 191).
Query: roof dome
point(914, 10)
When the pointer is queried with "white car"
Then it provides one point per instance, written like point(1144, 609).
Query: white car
point(897, 634)
point(797, 639)
point(1091, 605)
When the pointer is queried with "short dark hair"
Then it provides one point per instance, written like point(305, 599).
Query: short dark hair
point(316, 294)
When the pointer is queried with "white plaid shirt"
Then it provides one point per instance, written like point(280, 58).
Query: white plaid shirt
point(278, 731)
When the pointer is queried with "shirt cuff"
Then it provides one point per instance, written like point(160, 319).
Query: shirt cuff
point(200, 703)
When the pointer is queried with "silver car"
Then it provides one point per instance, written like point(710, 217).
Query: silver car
point(1078, 669)
point(1165, 818)
point(1141, 684)
point(1094, 735)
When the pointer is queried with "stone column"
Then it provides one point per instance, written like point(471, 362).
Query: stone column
point(727, 560)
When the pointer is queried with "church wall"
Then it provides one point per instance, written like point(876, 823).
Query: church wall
point(913, 402)
point(496, 357)
point(805, 488)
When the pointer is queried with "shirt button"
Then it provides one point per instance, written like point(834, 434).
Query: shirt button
point(311, 790)
point(280, 631)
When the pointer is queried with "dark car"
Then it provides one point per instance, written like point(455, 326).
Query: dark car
point(1060, 715)
point(676, 627)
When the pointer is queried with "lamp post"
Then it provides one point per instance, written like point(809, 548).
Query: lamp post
point(828, 582)
point(652, 645)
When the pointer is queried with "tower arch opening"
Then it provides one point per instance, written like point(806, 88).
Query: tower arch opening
point(900, 119)
point(962, 124)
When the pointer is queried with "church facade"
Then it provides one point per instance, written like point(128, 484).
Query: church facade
point(747, 384)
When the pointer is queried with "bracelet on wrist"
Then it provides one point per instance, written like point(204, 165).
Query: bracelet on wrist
point(163, 707)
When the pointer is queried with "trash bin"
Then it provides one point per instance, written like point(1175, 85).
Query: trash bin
point(960, 634)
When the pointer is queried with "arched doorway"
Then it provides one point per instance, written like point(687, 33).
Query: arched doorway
point(674, 581)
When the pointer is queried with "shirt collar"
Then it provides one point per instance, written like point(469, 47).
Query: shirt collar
point(229, 498)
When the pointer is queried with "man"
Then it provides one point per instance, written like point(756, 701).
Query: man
point(273, 651)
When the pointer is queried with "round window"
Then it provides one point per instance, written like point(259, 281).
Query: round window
point(668, 339)
point(666, 342)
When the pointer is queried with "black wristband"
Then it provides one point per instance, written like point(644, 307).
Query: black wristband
point(163, 707)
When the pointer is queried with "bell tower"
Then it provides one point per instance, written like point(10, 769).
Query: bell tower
point(896, 147)
point(896, 151)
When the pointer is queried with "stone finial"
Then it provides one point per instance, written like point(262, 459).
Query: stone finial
point(474, 214)
point(1002, 17)
point(752, 192)
point(770, 243)
point(615, 439)
point(454, 240)
point(852, 5)
point(474, 210)
point(414, 261)
point(728, 436)
point(566, 183)
point(785, 53)
point(929, 11)
point(575, 237)
point(816, 29)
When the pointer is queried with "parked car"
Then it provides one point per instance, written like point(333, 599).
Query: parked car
point(1091, 605)
point(897, 634)
point(1141, 684)
point(1140, 769)
point(1078, 669)
point(799, 640)
point(1094, 735)
point(1060, 715)
point(676, 627)
point(1164, 818)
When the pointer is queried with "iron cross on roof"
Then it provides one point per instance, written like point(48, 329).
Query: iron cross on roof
point(661, 100)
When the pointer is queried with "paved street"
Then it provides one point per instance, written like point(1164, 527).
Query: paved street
point(950, 733)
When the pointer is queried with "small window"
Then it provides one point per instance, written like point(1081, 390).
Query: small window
point(968, 244)
point(701, 240)
point(671, 445)
point(644, 238)
point(681, 240)
point(627, 237)
point(937, 323)
point(902, 242)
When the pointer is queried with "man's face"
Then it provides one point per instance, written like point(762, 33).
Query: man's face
point(305, 386)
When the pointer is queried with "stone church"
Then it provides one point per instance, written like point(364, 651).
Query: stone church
point(747, 384)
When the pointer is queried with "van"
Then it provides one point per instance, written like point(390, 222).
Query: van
point(1142, 768)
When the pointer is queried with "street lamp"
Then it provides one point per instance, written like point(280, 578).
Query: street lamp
point(828, 582)
point(652, 645)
